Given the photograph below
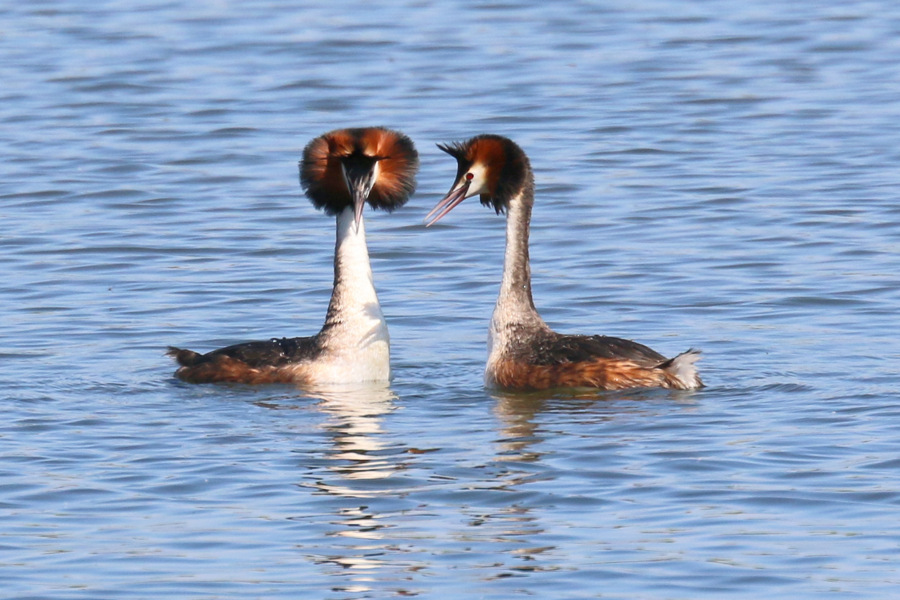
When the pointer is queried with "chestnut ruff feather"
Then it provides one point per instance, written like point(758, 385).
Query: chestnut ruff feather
point(394, 153)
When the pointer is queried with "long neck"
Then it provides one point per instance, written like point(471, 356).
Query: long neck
point(515, 304)
point(354, 298)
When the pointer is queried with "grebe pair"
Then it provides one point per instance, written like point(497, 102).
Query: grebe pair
point(342, 170)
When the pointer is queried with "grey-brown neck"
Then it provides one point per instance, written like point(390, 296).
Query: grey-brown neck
point(515, 305)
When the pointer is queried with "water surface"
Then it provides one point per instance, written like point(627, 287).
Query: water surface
point(718, 176)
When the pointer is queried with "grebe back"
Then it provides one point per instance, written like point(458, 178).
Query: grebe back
point(340, 172)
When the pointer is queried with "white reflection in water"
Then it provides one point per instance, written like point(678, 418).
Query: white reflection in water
point(358, 457)
point(355, 423)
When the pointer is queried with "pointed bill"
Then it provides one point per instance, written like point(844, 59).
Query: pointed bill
point(450, 201)
point(360, 177)
point(359, 203)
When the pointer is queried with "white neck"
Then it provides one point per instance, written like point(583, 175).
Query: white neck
point(354, 288)
point(355, 334)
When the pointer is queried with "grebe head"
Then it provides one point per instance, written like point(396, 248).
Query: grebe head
point(349, 167)
point(492, 166)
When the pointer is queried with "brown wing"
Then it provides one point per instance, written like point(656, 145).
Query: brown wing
point(554, 349)
point(252, 362)
point(551, 360)
point(270, 353)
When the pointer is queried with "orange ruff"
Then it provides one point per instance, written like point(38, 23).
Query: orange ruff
point(602, 373)
point(397, 164)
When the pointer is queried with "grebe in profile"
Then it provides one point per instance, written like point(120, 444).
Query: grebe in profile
point(340, 172)
point(524, 353)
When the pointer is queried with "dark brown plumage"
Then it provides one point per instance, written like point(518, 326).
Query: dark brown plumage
point(250, 362)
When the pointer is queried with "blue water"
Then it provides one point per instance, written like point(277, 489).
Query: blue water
point(716, 175)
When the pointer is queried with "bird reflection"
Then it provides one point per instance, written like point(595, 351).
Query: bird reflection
point(359, 452)
point(519, 413)
point(355, 424)
point(376, 512)
point(359, 465)
point(526, 423)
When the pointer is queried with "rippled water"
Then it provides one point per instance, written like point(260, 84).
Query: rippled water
point(720, 175)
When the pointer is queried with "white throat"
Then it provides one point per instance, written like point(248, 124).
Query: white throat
point(352, 271)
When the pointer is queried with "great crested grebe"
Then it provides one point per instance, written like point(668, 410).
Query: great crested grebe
point(524, 353)
point(340, 172)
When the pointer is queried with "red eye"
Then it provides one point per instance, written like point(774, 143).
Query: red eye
point(469, 177)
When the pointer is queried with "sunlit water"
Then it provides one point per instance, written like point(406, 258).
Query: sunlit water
point(717, 175)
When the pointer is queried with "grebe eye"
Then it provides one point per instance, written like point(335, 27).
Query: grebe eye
point(469, 177)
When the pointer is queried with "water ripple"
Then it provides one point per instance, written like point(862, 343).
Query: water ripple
point(714, 178)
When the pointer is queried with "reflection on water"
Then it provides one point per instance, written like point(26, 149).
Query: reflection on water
point(516, 414)
point(358, 464)
point(520, 413)
point(355, 425)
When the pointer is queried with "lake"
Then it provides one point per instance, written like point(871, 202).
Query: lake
point(713, 175)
